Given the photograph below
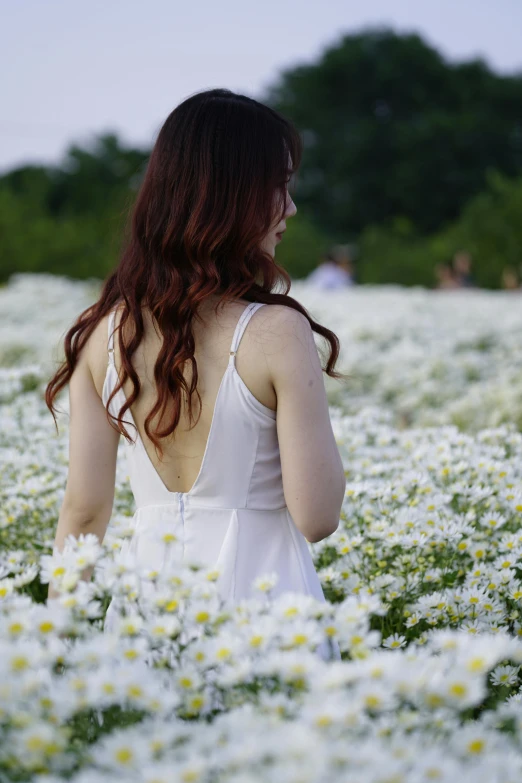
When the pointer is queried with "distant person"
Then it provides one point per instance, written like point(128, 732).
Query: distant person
point(462, 263)
point(343, 255)
point(510, 279)
point(446, 278)
point(331, 273)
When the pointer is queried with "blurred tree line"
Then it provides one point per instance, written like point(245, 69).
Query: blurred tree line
point(69, 219)
point(406, 155)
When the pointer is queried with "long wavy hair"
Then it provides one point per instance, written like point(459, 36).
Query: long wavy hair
point(220, 163)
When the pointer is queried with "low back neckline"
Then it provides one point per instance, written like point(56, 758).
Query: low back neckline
point(229, 371)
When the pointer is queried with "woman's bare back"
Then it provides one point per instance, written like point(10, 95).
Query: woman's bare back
point(183, 451)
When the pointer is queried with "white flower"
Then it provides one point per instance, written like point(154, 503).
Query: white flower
point(505, 675)
point(266, 582)
point(394, 641)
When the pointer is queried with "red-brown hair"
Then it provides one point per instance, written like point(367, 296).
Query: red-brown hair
point(205, 204)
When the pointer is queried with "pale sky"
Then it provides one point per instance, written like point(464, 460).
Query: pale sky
point(75, 68)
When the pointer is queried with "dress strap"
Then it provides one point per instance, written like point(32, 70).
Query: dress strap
point(110, 343)
point(246, 315)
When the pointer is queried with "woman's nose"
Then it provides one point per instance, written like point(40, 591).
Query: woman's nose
point(291, 208)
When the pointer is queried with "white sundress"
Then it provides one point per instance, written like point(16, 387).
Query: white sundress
point(234, 517)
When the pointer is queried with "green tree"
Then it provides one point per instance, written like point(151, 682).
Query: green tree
point(69, 219)
point(98, 180)
point(390, 129)
point(490, 228)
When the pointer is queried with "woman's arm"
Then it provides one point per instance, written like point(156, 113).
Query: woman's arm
point(93, 448)
point(314, 481)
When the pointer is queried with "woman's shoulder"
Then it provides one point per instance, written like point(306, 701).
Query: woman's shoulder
point(281, 333)
point(281, 315)
point(282, 321)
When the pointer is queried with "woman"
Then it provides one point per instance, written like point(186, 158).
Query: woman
point(243, 485)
